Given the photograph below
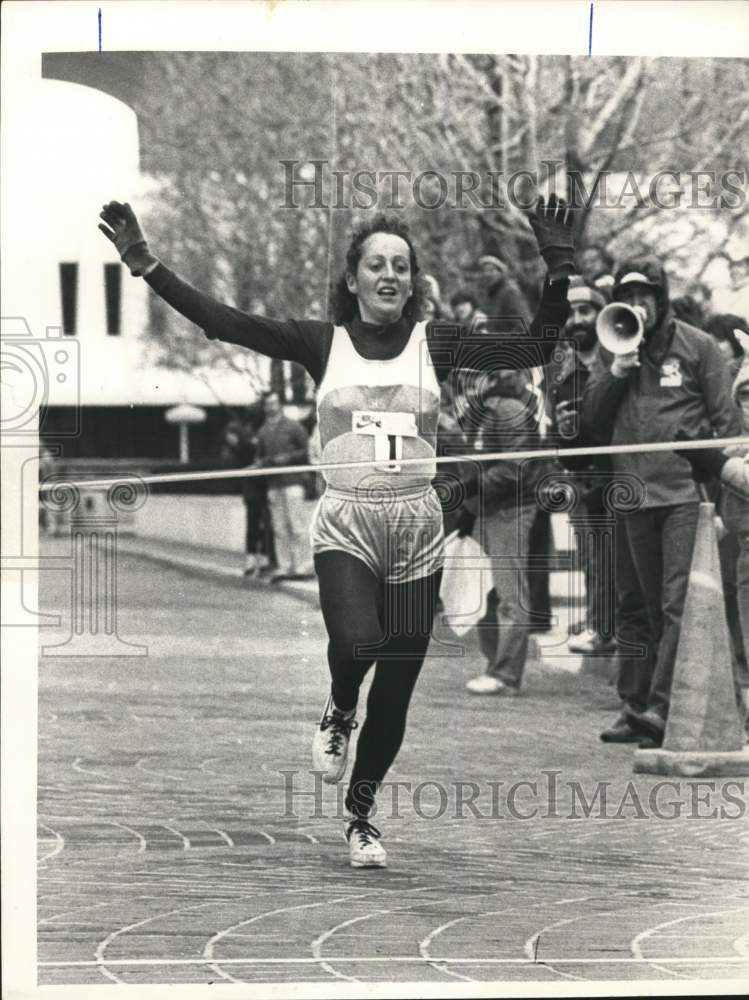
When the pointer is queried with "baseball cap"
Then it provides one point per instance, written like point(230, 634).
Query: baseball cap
point(641, 270)
point(490, 259)
point(636, 277)
point(580, 291)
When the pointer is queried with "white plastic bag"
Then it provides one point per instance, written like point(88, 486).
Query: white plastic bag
point(466, 581)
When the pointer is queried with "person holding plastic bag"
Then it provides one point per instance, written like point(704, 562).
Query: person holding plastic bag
point(501, 499)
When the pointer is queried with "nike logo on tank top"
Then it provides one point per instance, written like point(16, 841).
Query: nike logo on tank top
point(379, 411)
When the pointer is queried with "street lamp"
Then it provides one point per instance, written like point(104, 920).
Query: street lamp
point(184, 415)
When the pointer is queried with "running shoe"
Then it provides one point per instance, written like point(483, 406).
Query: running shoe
point(484, 684)
point(330, 743)
point(365, 849)
point(590, 643)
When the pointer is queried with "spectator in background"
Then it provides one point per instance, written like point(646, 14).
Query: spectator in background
point(504, 310)
point(591, 476)
point(731, 468)
point(727, 329)
point(687, 310)
point(433, 307)
point(282, 441)
point(735, 299)
point(239, 449)
point(612, 605)
point(450, 441)
point(501, 495)
point(465, 308)
point(501, 298)
point(596, 267)
point(430, 309)
point(723, 327)
point(702, 297)
point(676, 379)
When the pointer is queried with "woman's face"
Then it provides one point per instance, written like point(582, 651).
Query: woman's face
point(383, 282)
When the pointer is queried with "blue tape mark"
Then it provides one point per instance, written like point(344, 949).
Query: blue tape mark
point(99, 29)
point(590, 31)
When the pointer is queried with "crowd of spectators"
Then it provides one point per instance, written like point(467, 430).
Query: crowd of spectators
point(688, 379)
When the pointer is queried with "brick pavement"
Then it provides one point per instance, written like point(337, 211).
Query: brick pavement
point(172, 850)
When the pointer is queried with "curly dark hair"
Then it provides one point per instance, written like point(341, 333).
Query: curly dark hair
point(344, 305)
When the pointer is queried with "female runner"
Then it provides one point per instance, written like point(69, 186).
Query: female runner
point(377, 535)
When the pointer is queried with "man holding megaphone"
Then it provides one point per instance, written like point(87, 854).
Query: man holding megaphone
point(616, 617)
point(665, 376)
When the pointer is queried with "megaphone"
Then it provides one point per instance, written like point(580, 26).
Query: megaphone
point(620, 328)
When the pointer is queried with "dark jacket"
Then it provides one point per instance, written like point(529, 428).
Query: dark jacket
point(504, 304)
point(590, 474)
point(282, 442)
point(509, 424)
point(682, 383)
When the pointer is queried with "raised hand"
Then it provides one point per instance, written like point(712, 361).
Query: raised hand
point(123, 229)
point(623, 364)
point(551, 223)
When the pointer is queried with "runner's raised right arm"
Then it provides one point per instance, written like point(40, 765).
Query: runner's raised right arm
point(289, 340)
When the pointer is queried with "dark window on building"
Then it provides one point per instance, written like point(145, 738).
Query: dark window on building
point(69, 292)
point(113, 297)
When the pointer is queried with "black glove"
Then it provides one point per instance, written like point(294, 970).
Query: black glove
point(707, 463)
point(127, 236)
point(465, 523)
point(552, 226)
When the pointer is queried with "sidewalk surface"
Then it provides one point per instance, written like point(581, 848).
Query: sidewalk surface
point(216, 563)
point(222, 565)
point(182, 838)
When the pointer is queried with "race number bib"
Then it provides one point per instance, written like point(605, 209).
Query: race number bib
point(388, 430)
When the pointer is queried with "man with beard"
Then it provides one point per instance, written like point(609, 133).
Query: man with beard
point(613, 597)
point(589, 480)
point(675, 380)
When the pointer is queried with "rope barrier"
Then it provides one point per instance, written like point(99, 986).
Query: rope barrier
point(285, 470)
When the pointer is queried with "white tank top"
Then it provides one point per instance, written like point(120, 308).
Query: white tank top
point(379, 411)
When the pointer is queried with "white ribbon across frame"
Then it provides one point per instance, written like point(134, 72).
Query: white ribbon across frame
point(251, 472)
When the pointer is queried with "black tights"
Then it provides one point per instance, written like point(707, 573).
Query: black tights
point(369, 621)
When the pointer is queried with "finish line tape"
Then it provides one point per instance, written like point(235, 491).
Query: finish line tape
point(251, 472)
